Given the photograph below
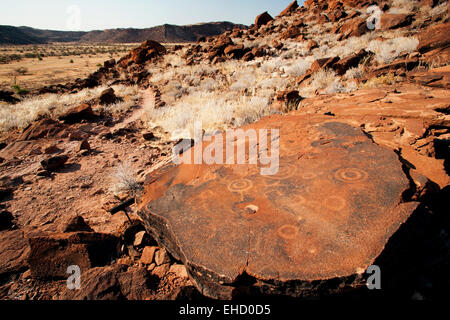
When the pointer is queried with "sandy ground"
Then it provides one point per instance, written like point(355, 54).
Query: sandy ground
point(54, 69)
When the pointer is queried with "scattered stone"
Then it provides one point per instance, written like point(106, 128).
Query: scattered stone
point(141, 239)
point(353, 28)
point(108, 96)
point(248, 56)
point(51, 255)
point(311, 45)
point(45, 128)
point(325, 63)
point(336, 15)
point(161, 271)
point(126, 261)
point(78, 135)
point(286, 101)
point(263, 19)
point(51, 149)
point(26, 275)
point(290, 33)
point(129, 230)
point(394, 21)
point(54, 163)
point(277, 44)
point(148, 136)
point(234, 51)
point(258, 52)
point(109, 63)
point(349, 62)
point(148, 254)
point(84, 145)
point(78, 114)
point(161, 257)
point(251, 209)
point(179, 270)
point(147, 51)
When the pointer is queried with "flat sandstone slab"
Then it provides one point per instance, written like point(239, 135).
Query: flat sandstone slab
point(328, 212)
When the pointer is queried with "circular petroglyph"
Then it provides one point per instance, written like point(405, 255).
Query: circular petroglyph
point(288, 231)
point(335, 203)
point(309, 175)
point(350, 175)
point(285, 171)
point(240, 185)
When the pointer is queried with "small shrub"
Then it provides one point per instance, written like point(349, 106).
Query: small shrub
point(124, 180)
point(21, 70)
point(19, 90)
point(388, 50)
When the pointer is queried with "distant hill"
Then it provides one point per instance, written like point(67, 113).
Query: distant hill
point(164, 33)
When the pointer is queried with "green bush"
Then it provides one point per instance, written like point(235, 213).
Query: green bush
point(19, 90)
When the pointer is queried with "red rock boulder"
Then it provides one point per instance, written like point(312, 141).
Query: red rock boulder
point(394, 21)
point(263, 19)
point(290, 8)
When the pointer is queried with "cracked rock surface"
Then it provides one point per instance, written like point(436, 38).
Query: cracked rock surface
point(327, 214)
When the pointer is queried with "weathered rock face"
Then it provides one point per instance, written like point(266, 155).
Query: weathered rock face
point(353, 28)
point(41, 129)
point(435, 37)
point(112, 283)
point(438, 77)
point(13, 252)
point(50, 256)
point(325, 215)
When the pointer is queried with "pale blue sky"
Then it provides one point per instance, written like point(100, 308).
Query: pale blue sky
point(106, 14)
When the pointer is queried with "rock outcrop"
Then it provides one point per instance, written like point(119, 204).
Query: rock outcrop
point(334, 189)
point(51, 255)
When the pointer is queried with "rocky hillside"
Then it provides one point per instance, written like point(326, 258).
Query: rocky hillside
point(166, 33)
point(361, 100)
